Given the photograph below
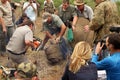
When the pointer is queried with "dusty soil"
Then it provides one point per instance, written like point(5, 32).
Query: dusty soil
point(45, 70)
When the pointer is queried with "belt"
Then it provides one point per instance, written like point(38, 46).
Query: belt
point(16, 53)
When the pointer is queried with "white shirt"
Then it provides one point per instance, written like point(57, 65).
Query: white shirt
point(30, 11)
point(87, 13)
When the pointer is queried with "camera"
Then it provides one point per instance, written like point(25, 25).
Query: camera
point(115, 29)
point(103, 41)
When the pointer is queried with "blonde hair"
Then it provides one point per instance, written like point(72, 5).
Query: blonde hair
point(82, 53)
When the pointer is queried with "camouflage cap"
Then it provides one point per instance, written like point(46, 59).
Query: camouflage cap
point(78, 2)
point(45, 16)
point(26, 70)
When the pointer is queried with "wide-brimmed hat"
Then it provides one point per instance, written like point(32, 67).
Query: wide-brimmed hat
point(79, 2)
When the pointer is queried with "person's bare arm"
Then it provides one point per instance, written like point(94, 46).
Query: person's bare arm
point(63, 29)
point(3, 25)
point(25, 8)
point(28, 44)
point(34, 8)
point(49, 35)
point(74, 22)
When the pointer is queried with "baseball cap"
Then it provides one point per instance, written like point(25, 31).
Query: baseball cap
point(45, 16)
point(27, 70)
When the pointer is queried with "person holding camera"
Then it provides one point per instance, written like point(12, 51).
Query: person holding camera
point(30, 9)
point(111, 63)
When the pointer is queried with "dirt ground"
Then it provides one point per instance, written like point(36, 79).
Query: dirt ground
point(45, 70)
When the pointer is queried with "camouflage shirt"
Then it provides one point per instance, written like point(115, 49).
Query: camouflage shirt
point(105, 16)
point(49, 7)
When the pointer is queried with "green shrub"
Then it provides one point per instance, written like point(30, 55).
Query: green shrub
point(57, 3)
point(118, 4)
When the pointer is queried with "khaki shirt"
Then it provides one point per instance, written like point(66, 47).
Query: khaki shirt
point(17, 41)
point(67, 14)
point(6, 13)
point(105, 16)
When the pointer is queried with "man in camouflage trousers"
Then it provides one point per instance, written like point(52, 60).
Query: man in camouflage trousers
point(68, 14)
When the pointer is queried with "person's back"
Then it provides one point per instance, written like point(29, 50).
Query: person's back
point(111, 12)
point(113, 72)
point(80, 67)
point(105, 16)
point(20, 45)
point(87, 72)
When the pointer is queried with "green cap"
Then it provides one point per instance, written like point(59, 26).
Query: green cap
point(27, 70)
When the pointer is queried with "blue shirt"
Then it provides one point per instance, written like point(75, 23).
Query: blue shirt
point(111, 64)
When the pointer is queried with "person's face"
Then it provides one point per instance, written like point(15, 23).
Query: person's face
point(80, 7)
point(48, 0)
point(65, 5)
point(49, 20)
point(30, 1)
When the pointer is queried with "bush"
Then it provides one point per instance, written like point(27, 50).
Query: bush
point(57, 3)
point(118, 3)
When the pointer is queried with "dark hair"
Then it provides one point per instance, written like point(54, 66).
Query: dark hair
point(114, 39)
point(28, 22)
point(66, 1)
point(24, 15)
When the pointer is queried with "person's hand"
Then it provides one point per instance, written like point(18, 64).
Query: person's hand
point(4, 30)
point(99, 47)
point(86, 28)
point(57, 39)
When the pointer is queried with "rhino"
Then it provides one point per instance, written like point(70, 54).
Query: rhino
point(80, 35)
